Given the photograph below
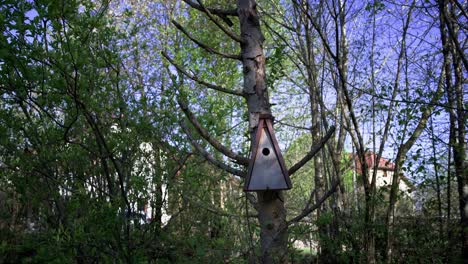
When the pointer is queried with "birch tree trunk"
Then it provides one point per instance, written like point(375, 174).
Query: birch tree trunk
point(271, 210)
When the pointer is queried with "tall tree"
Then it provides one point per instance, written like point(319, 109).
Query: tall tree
point(450, 16)
point(269, 204)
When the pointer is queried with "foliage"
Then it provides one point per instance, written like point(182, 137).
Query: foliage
point(95, 167)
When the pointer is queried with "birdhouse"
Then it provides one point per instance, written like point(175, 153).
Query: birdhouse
point(267, 170)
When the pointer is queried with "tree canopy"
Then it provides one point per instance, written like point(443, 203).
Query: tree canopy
point(126, 131)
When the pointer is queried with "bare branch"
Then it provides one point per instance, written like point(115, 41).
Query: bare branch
point(213, 141)
point(205, 47)
point(196, 79)
point(223, 28)
point(309, 209)
point(461, 8)
point(207, 207)
point(274, 18)
point(319, 31)
point(219, 12)
point(180, 165)
point(293, 126)
point(208, 156)
point(316, 148)
point(453, 35)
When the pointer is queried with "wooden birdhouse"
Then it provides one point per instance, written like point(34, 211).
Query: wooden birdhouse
point(267, 170)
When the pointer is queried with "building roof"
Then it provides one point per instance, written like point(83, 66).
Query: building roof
point(384, 164)
point(371, 159)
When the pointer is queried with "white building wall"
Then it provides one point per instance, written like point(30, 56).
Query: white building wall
point(384, 178)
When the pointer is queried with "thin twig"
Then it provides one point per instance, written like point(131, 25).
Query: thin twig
point(223, 28)
point(206, 135)
point(208, 156)
point(196, 79)
point(203, 46)
point(316, 148)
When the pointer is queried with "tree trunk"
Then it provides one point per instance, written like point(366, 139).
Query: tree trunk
point(309, 58)
point(271, 210)
point(400, 158)
point(158, 202)
point(449, 195)
point(455, 98)
point(436, 171)
point(273, 234)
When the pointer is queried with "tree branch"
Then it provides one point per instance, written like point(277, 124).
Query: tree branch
point(180, 165)
point(214, 20)
point(454, 36)
point(196, 79)
point(213, 142)
point(309, 209)
point(219, 12)
point(316, 148)
point(205, 47)
point(208, 156)
point(207, 207)
point(319, 31)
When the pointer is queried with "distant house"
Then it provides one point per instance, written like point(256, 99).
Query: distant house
point(384, 176)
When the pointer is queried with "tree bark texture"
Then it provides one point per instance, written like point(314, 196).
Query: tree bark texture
point(271, 210)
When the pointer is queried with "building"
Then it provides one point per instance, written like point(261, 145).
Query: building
point(384, 176)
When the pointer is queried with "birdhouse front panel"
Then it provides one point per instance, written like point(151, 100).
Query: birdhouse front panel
point(266, 168)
